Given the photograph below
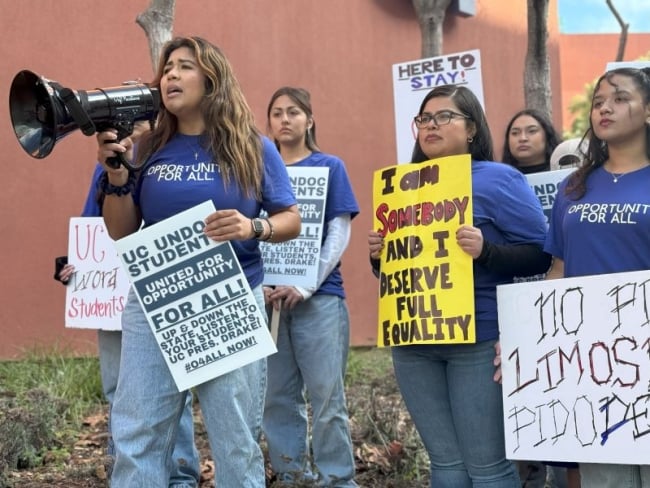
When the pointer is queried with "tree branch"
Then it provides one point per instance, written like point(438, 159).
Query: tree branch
point(622, 40)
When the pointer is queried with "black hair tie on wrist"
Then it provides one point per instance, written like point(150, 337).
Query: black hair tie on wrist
point(108, 189)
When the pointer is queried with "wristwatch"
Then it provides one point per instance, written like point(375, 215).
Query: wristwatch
point(258, 227)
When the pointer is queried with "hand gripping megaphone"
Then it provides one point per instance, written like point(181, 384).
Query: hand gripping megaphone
point(43, 112)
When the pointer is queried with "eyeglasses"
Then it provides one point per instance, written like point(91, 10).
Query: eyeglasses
point(439, 118)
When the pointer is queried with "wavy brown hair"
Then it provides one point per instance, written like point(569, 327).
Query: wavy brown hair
point(230, 135)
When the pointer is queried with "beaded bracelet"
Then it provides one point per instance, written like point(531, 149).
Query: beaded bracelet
point(109, 189)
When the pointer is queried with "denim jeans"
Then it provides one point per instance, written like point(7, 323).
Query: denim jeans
point(148, 407)
point(109, 343)
point(457, 409)
point(313, 341)
point(614, 476)
point(186, 471)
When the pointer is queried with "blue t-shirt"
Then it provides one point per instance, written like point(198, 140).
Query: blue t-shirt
point(340, 201)
point(507, 212)
point(91, 207)
point(182, 175)
point(605, 231)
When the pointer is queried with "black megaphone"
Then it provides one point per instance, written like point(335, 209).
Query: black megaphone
point(43, 112)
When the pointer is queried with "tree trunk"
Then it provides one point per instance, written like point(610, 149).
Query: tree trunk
point(431, 16)
point(537, 79)
point(622, 41)
point(157, 22)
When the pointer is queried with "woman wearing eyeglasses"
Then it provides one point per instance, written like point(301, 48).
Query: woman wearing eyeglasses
point(450, 390)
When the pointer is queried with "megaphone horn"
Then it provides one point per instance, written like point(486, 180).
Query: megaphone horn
point(43, 112)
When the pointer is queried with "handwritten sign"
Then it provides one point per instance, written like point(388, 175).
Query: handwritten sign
point(96, 293)
point(426, 292)
point(576, 368)
point(412, 80)
point(196, 298)
point(295, 262)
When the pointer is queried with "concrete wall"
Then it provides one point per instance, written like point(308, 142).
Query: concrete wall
point(342, 50)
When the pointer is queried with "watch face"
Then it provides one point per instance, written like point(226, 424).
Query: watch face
point(258, 227)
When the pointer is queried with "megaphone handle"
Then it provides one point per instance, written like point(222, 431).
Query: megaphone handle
point(115, 161)
point(124, 129)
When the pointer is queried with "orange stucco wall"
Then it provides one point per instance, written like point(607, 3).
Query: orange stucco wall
point(583, 58)
point(342, 50)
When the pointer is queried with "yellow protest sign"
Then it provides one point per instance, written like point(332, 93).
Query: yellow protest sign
point(426, 283)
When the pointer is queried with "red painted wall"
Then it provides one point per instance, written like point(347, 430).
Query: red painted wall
point(341, 50)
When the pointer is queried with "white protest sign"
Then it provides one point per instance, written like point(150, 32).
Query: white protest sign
point(412, 80)
point(576, 368)
point(295, 262)
point(195, 297)
point(96, 293)
point(626, 64)
point(545, 185)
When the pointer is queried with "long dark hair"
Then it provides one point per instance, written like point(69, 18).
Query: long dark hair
point(552, 137)
point(597, 151)
point(481, 146)
point(302, 98)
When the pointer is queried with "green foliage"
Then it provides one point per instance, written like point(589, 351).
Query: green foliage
point(63, 376)
point(367, 365)
point(42, 401)
point(580, 108)
point(29, 427)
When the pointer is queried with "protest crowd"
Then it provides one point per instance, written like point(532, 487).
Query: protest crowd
point(233, 239)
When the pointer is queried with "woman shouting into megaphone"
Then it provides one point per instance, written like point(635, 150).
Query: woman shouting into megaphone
point(205, 147)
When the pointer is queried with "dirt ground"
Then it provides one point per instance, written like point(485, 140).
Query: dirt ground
point(378, 463)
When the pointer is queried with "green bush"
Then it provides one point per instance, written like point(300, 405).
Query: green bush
point(29, 426)
point(42, 401)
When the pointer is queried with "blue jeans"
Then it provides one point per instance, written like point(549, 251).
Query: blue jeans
point(109, 343)
point(313, 341)
point(186, 472)
point(148, 407)
point(457, 409)
point(614, 476)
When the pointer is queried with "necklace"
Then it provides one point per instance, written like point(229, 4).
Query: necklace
point(616, 176)
point(193, 149)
